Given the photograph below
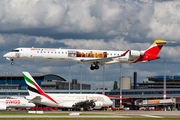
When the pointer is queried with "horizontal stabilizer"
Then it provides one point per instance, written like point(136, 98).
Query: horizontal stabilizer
point(33, 97)
point(160, 42)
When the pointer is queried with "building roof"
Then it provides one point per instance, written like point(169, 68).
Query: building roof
point(33, 75)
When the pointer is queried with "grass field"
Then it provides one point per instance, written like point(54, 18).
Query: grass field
point(4, 113)
point(89, 118)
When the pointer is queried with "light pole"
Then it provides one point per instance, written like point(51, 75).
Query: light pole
point(120, 88)
point(69, 79)
point(85, 81)
point(103, 79)
point(164, 96)
point(81, 81)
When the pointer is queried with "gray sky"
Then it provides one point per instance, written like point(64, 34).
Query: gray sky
point(91, 24)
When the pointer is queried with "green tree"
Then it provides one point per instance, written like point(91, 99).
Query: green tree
point(115, 85)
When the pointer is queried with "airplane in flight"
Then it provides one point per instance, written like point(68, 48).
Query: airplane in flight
point(15, 103)
point(93, 57)
point(72, 101)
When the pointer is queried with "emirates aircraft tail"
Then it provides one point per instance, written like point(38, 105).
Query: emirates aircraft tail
point(152, 52)
point(34, 89)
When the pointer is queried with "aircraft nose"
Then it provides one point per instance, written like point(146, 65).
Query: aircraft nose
point(32, 104)
point(110, 102)
point(6, 55)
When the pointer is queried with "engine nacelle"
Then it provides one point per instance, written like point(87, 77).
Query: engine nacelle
point(135, 53)
point(2, 107)
point(98, 105)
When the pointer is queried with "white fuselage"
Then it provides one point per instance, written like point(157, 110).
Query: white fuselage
point(73, 55)
point(68, 100)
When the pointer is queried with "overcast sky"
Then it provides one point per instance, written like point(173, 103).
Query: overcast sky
point(91, 24)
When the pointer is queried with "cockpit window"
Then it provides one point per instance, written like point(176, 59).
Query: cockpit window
point(14, 50)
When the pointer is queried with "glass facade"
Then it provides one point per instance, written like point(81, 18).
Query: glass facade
point(7, 81)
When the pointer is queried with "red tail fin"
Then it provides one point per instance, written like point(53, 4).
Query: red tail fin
point(155, 48)
point(152, 52)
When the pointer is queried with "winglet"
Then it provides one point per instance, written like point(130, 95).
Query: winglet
point(124, 54)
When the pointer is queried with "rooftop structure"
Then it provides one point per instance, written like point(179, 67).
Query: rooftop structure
point(157, 82)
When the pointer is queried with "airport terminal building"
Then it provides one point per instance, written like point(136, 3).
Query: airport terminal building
point(45, 81)
point(153, 89)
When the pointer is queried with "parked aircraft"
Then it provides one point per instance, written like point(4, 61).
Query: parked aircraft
point(93, 57)
point(37, 95)
point(15, 103)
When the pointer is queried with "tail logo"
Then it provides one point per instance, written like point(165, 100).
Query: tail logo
point(38, 90)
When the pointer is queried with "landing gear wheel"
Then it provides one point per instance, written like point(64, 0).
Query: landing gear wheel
point(92, 67)
point(96, 67)
point(12, 63)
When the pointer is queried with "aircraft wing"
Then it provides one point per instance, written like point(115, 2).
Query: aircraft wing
point(102, 60)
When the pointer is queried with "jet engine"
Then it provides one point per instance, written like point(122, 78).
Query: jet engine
point(2, 107)
point(135, 53)
point(98, 105)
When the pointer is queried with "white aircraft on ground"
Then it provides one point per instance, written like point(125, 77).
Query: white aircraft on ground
point(93, 57)
point(86, 101)
point(15, 103)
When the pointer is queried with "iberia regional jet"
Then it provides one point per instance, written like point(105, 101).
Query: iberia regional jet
point(93, 57)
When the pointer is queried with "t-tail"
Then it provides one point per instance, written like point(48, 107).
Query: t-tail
point(152, 52)
point(33, 87)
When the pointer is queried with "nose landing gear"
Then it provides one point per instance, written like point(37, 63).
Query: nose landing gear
point(12, 63)
point(94, 67)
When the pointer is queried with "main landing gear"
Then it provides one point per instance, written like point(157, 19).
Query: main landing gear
point(94, 67)
point(12, 63)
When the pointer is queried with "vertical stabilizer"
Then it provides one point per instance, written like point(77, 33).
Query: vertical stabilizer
point(33, 87)
point(155, 48)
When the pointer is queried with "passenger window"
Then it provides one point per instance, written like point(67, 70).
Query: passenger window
point(51, 52)
point(59, 52)
point(62, 52)
point(44, 51)
point(37, 51)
